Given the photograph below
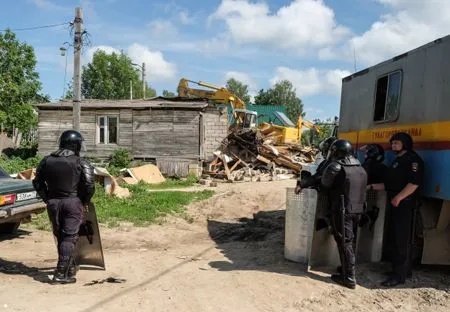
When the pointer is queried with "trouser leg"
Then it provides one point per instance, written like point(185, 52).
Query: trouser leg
point(402, 218)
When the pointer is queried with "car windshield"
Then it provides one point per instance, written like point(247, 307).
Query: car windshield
point(4, 174)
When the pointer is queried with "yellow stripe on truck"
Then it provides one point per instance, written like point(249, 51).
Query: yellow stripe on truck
point(426, 132)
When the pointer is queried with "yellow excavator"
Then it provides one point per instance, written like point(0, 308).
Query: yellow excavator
point(243, 118)
point(288, 133)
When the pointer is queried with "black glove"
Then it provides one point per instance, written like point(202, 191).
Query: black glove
point(321, 224)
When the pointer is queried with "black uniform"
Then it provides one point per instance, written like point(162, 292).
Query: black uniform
point(313, 181)
point(373, 163)
point(376, 171)
point(345, 176)
point(408, 168)
point(66, 183)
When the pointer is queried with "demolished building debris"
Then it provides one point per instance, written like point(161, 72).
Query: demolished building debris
point(248, 155)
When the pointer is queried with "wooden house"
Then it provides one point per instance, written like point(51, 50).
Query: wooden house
point(172, 132)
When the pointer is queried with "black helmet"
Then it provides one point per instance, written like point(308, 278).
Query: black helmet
point(71, 140)
point(324, 146)
point(403, 137)
point(374, 152)
point(340, 149)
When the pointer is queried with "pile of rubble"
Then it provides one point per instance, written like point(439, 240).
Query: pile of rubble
point(248, 155)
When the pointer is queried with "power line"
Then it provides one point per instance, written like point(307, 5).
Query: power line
point(38, 27)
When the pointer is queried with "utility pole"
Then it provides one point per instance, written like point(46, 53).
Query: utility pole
point(77, 44)
point(143, 80)
point(131, 89)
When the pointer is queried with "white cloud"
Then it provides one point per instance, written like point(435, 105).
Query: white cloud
point(242, 77)
point(90, 52)
point(157, 68)
point(245, 79)
point(48, 5)
point(300, 25)
point(409, 25)
point(162, 28)
point(312, 81)
point(185, 18)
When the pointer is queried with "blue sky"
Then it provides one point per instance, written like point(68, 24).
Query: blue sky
point(309, 42)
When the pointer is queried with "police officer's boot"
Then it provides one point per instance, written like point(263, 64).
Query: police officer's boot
point(61, 275)
point(348, 281)
point(73, 268)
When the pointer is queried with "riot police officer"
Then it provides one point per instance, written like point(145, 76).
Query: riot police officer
point(66, 183)
point(313, 181)
point(402, 185)
point(373, 163)
point(346, 181)
point(376, 173)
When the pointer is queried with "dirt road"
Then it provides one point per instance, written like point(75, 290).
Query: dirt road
point(212, 262)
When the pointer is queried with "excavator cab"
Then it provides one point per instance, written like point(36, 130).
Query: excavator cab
point(245, 119)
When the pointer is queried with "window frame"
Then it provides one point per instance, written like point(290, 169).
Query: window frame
point(397, 115)
point(106, 127)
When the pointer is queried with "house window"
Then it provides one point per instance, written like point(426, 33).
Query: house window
point(387, 98)
point(107, 129)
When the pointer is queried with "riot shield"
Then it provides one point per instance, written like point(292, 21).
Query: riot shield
point(370, 236)
point(324, 251)
point(88, 250)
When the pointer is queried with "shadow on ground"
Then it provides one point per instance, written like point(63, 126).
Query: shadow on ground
point(18, 268)
point(258, 244)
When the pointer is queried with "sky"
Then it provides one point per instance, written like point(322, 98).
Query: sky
point(312, 43)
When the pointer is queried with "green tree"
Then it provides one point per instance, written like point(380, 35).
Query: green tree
point(108, 76)
point(166, 93)
point(149, 91)
point(311, 137)
point(19, 83)
point(282, 93)
point(238, 88)
point(69, 92)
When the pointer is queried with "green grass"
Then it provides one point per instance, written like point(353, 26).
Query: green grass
point(174, 183)
point(142, 208)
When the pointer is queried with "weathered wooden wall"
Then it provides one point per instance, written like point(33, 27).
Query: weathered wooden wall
point(175, 138)
point(53, 122)
point(166, 133)
point(215, 129)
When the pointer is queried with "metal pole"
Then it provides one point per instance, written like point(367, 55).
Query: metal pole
point(342, 226)
point(77, 44)
point(143, 80)
point(131, 89)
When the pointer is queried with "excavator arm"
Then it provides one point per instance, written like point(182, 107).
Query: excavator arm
point(220, 95)
point(308, 124)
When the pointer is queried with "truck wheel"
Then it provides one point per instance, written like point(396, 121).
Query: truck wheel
point(9, 228)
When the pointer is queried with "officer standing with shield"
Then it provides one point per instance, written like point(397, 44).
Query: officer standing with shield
point(313, 181)
point(346, 182)
point(66, 183)
point(402, 185)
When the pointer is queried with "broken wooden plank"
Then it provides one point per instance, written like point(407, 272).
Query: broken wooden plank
point(263, 159)
point(235, 165)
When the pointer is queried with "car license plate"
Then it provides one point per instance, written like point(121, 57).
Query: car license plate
point(26, 196)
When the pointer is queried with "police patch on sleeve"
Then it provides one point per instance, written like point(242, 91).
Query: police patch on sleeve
point(415, 166)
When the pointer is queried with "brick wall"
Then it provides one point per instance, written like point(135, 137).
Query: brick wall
point(215, 127)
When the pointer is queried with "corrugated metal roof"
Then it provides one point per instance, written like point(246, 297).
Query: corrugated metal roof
point(157, 102)
point(265, 113)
